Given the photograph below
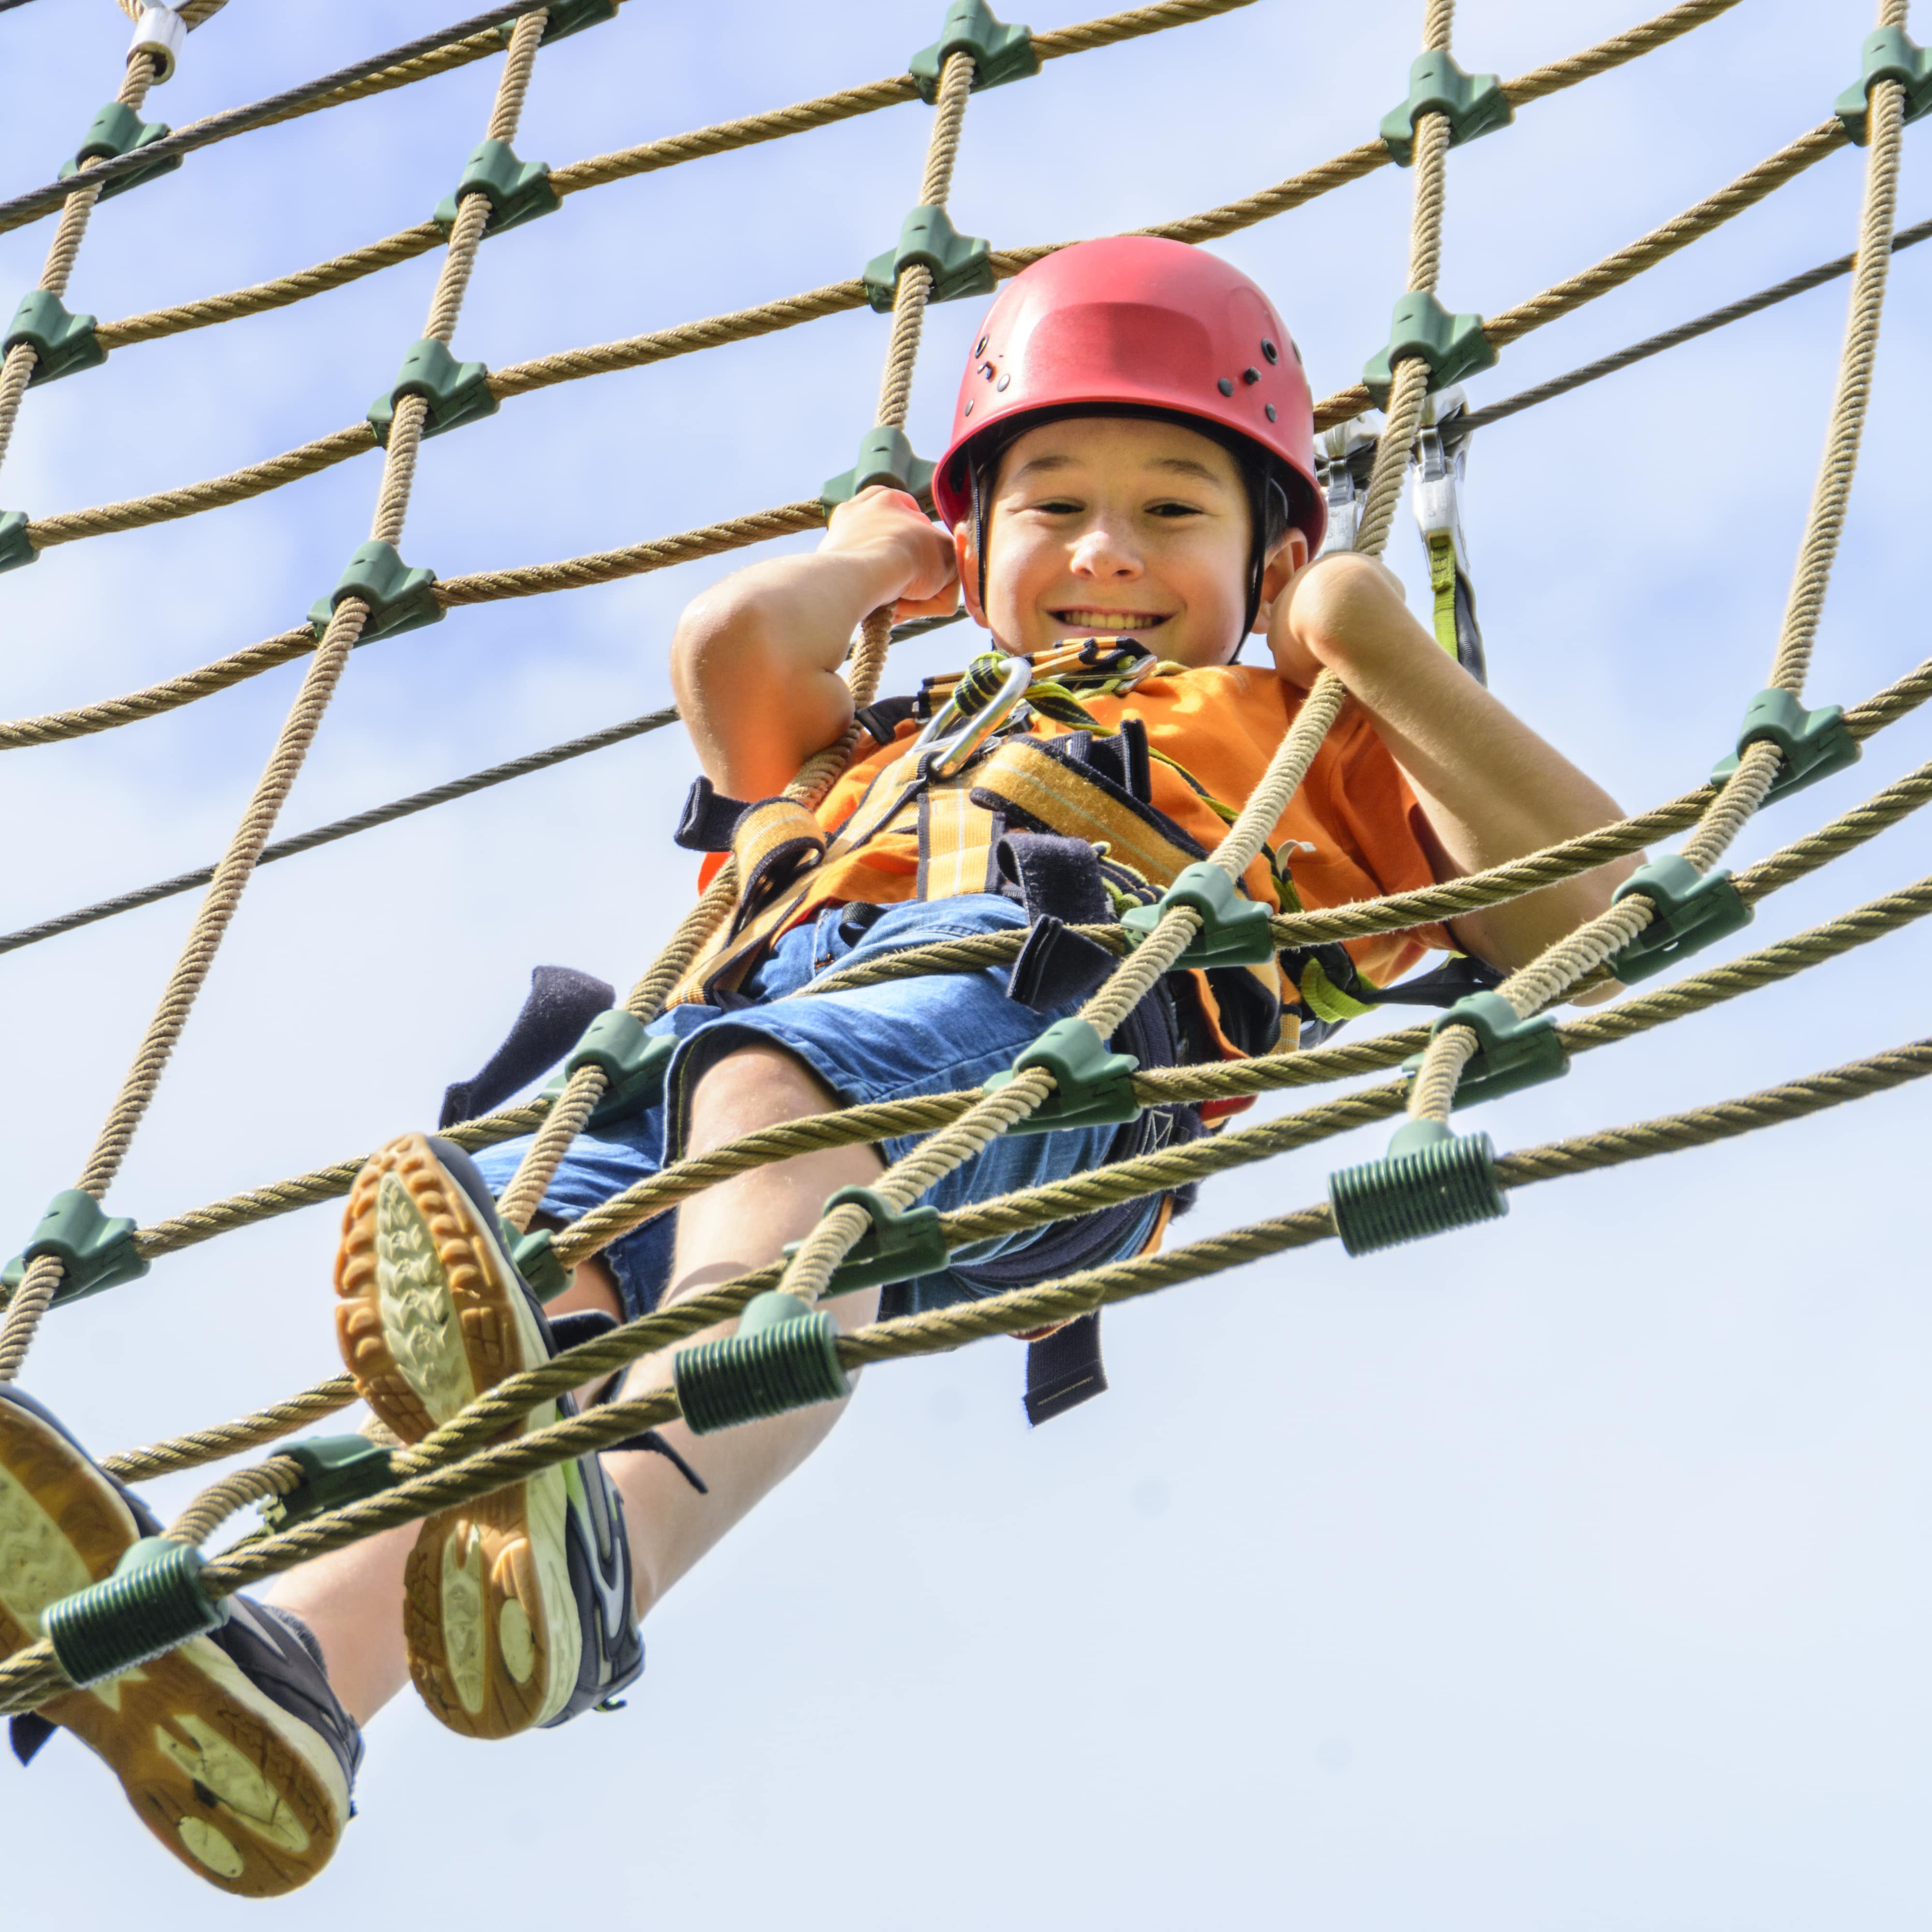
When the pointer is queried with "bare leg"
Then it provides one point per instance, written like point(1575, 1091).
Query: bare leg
point(350, 1598)
point(740, 1224)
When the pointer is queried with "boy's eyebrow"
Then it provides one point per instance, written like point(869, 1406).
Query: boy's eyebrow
point(1182, 466)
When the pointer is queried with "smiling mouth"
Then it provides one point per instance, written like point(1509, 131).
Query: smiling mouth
point(1110, 623)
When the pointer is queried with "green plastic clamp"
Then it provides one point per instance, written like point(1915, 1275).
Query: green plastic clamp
point(519, 191)
point(568, 17)
point(885, 456)
point(634, 1061)
point(1000, 53)
point(154, 1601)
point(1511, 1053)
point(1887, 55)
point(1474, 104)
point(962, 264)
point(117, 130)
point(399, 599)
point(1453, 345)
point(1429, 1181)
point(335, 1470)
point(535, 1260)
point(785, 1355)
point(903, 1243)
point(1814, 744)
point(96, 1251)
point(1693, 910)
point(62, 343)
point(16, 551)
point(456, 392)
point(1092, 1087)
point(1234, 929)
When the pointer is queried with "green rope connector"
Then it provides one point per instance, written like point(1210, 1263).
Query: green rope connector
point(1693, 910)
point(96, 1252)
point(785, 1355)
point(1234, 928)
point(1429, 1181)
point(62, 343)
point(902, 1243)
point(885, 456)
point(634, 1063)
point(962, 264)
point(1092, 1087)
point(1512, 1053)
point(1453, 345)
point(1474, 104)
point(536, 1261)
point(567, 17)
point(399, 599)
point(117, 130)
point(519, 191)
point(15, 552)
point(1887, 55)
point(1813, 744)
point(153, 1602)
point(456, 392)
point(1000, 53)
point(335, 1470)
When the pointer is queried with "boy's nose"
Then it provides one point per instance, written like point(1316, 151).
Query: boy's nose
point(1101, 552)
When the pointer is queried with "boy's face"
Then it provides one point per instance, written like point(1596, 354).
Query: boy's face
point(1105, 526)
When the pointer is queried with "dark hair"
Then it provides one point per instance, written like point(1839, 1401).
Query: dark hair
point(1272, 488)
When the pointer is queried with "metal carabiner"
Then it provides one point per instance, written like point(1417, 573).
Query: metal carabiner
point(936, 755)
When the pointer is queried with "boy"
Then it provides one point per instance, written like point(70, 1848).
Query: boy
point(1130, 464)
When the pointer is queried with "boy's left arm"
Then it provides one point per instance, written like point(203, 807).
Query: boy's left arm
point(1490, 789)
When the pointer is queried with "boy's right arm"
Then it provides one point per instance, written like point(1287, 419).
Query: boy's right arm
point(754, 663)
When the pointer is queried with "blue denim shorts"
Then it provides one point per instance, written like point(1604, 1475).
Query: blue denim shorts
point(933, 1034)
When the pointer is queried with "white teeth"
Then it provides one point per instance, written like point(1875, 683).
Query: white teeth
point(1111, 620)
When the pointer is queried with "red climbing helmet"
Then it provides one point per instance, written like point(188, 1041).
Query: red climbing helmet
point(1147, 324)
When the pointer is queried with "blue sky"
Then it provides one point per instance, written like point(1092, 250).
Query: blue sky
point(1568, 1573)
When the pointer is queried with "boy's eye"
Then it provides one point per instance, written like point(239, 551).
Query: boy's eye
point(1174, 509)
point(1058, 506)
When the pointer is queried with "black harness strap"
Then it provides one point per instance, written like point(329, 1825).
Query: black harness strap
point(561, 1003)
point(1064, 1369)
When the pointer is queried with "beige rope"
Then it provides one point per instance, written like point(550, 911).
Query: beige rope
point(723, 136)
point(220, 1500)
point(686, 338)
point(1559, 969)
point(29, 1677)
point(18, 369)
point(1394, 912)
point(210, 1445)
point(1080, 1194)
point(31, 1301)
point(35, 1294)
point(605, 567)
point(521, 1199)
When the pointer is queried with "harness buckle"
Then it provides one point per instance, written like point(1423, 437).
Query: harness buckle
point(953, 734)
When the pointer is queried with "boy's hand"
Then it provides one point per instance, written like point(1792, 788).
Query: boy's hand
point(918, 565)
point(1342, 607)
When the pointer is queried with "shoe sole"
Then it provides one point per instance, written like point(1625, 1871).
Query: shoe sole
point(429, 1318)
point(245, 1795)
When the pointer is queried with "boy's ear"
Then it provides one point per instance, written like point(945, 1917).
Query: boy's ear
point(1289, 560)
point(967, 553)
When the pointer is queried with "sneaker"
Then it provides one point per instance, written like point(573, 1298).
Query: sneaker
point(232, 1749)
point(517, 1607)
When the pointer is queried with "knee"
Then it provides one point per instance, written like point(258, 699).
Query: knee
point(752, 1088)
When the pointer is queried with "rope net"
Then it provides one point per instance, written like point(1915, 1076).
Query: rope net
point(470, 1456)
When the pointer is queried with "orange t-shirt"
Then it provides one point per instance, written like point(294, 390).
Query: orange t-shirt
point(1351, 831)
